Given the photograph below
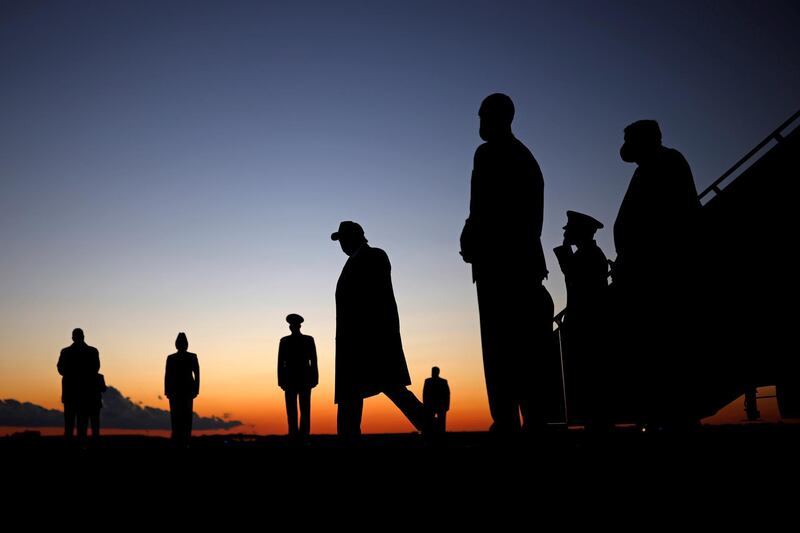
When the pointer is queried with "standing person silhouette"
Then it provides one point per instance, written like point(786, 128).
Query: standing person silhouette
point(654, 239)
point(584, 325)
point(501, 239)
point(297, 375)
point(79, 365)
point(181, 386)
point(436, 397)
point(369, 351)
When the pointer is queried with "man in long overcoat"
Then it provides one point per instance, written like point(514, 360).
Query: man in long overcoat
point(369, 351)
point(654, 235)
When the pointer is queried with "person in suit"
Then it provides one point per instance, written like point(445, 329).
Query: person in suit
point(297, 375)
point(181, 386)
point(501, 239)
point(584, 326)
point(654, 236)
point(436, 397)
point(79, 365)
point(369, 350)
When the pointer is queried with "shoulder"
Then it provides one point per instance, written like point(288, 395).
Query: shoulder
point(674, 157)
point(483, 151)
point(376, 255)
point(92, 350)
point(524, 153)
point(593, 252)
point(286, 339)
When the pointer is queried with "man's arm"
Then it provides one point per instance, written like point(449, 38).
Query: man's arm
point(168, 379)
point(469, 240)
point(196, 371)
point(282, 365)
point(62, 363)
point(565, 257)
point(314, 369)
point(95, 360)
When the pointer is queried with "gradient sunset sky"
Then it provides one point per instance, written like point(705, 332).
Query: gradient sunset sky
point(180, 166)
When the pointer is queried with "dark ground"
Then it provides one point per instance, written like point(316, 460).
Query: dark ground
point(712, 469)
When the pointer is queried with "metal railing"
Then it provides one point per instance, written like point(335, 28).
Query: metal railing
point(776, 135)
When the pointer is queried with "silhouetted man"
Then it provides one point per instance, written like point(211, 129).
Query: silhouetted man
point(501, 238)
point(369, 351)
point(436, 397)
point(79, 365)
point(297, 375)
point(181, 386)
point(653, 235)
point(584, 327)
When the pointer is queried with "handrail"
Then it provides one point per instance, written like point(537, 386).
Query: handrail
point(776, 135)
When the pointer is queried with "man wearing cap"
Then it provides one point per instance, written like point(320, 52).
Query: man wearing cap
point(653, 236)
point(369, 351)
point(501, 239)
point(297, 375)
point(586, 276)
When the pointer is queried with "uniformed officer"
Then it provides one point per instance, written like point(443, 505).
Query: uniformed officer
point(586, 275)
point(297, 375)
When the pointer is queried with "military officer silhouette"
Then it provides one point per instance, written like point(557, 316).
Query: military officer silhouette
point(297, 375)
point(584, 327)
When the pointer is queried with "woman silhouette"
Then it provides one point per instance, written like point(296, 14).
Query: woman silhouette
point(181, 386)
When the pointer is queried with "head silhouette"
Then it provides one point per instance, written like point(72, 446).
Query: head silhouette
point(435, 371)
point(350, 236)
point(182, 343)
point(642, 140)
point(496, 114)
point(77, 335)
point(294, 321)
point(580, 228)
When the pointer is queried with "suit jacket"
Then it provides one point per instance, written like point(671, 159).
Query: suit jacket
point(182, 377)
point(297, 362)
point(436, 394)
point(369, 351)
point(503, 232)
point(79, 365)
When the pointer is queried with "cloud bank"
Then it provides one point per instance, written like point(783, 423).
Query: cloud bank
point(118, 412)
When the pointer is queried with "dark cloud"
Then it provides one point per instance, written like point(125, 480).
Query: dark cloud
point(118, 412)
point(16, 414)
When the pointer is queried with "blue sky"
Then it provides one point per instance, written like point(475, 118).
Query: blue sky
point(172, 166)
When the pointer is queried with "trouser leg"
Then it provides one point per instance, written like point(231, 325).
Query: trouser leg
point(410, 406)
point(94, 418)
point(348, 417)
point(291, 411)
point(497, 362)
point(304, 398)
point(69, 420)
point(83, 423)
